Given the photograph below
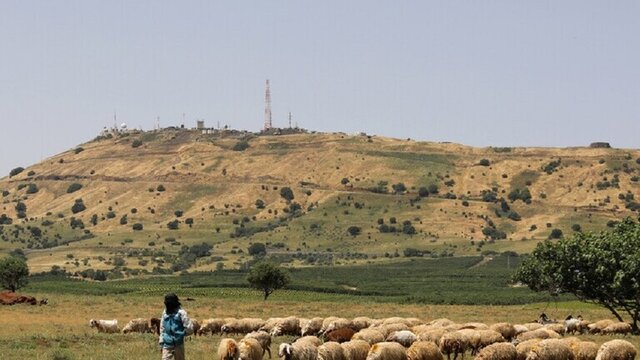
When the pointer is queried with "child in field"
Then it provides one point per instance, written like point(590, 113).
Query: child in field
point(174, 326)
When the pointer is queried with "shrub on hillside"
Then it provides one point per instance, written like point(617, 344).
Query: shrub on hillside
point(78, 206)
point(241, 145)
point(286, 193)
point(16, 171)
point(423, 192)
point(160, 188)
point(173, 225)
point(137, 227)
point(136, 143)
point(78, 150)
point(399, 188)
point(257, 249)
point(32, 189)
point(556, 234)
point(178, 213)
point(124, 220)
point(73, 188)
point(484, 162)
point(259, 204)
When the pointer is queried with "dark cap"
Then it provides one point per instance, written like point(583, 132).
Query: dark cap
point(171, 301)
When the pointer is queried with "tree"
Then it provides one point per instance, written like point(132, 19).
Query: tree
point(484, 162)
point(78, 206)
point(259, 204)
point(73, 188)
point(257, 249)
point(600, 268)
point(268, 278)
point(286, 193)
point(354, 230)
point(399, 188)
point(16, 171)
point(13, 273)
point(423, 192)
point(241, 145)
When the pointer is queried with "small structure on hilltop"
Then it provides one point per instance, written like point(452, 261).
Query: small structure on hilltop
point(600, 145)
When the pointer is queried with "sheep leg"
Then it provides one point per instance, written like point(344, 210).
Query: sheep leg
point(269, 351)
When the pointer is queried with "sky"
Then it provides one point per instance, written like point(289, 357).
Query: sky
point(481, 73)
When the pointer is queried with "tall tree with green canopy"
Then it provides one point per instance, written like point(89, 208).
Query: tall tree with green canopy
point(268, 277)
point(13, 273)
point(601, 268)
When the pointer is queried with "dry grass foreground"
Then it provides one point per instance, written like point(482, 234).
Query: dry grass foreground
point(61, 330)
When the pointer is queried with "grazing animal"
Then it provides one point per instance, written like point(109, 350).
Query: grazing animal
point(550, 349)
point(507, 330)
point(263, 338)
point(616, 350)
point(585, 350)
point(154, 324)
point(139, 325)
point(339, 335)
point(424, 350)
point(620, 328)
point(211, 326)
point(454, 343)
point(105, 326)
point(403, 337)
point(287, 326)
point(249, 349)
point(299, 350)
point(498, 351)
point(355, 349)
point(387, 351)
point(369, 335)
point(330, 350)
point(311, 326)
point(228, 350)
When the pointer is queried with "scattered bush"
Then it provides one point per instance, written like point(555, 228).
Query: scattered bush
point(178, 213)
point(344, 181)
point(354, 230)
point(137, 227)
point(259, 204)
point(78, 150)
point(32, 189)
point(73, 188)
point(124, 220)
point(136, 143)
point(493, 233)
point(78, 206)
point(16, 171)
point(286, 193)
point(556, 234)
point(399, 188)
point(257, 249)
point(160, 188)
point(484, 162)
point(423, 192)
point(173, 225)
point(576, 227)
point(241, 145)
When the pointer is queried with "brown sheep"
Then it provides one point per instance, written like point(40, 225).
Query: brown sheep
point(498, 351)
point(249, 349)
point(355, 349)
point(424, 350)
point(228, 350)
point(154, 324)
point(387, 351)
point(263, 338)
point(339, 335)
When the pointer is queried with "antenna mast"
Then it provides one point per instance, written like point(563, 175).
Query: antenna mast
point(289, 119)
point(267, 108)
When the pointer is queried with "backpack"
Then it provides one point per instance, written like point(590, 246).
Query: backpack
point(174, 332)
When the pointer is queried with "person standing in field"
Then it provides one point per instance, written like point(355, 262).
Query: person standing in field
point(174, 326)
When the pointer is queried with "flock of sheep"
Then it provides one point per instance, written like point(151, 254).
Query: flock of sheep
point(396, 338)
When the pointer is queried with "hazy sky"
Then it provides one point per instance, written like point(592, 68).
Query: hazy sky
point(546, 73)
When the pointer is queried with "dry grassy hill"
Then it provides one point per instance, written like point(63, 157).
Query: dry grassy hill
point(207, 185)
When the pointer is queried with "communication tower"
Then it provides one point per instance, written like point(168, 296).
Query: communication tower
point(267, 108)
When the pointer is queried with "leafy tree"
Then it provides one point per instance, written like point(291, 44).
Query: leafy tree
point(259, 204)
point(484, 162)
point(178, 213)
point(555, 234)
point(354, 230)
point(124, 220)
point(5, 220)
point(14, 273)
point(601, 268)
point(433, 189)
point(16, 171)
point(257, 249)
point(286, 193)
point(32, 188)
point(268, 278)
point(136, 143)
point(423, 192)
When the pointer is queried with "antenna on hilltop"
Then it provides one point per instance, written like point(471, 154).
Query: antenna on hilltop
point(267, 107)
point(289, 119)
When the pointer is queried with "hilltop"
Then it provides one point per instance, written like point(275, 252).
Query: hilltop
point(141, 201)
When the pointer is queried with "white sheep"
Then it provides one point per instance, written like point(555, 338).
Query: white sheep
point(403, 337)
point(355, 349)
point(498, 351)
point(250, 349)
point(287, 326)
point(311, 327)
point(432, 335)
point(211, 326)
point(338, 323)
point(330, 350)
point(372, 336)
point(442, 322)
point(313, 340)
point(270, 324)
point(361, 322)
point(489, 337)
point(387, 329)
point(303, 350)
point(105, 326)
point(573, 325)
point(550, 349)
point(139, 325)
point(263, 338)
point(538, 334)
point(242, 326)
point(228, 350)
point(387, 351)
point(424, 350)
point(616, 350)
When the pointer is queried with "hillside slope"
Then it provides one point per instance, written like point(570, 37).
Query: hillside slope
point(207, 185)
